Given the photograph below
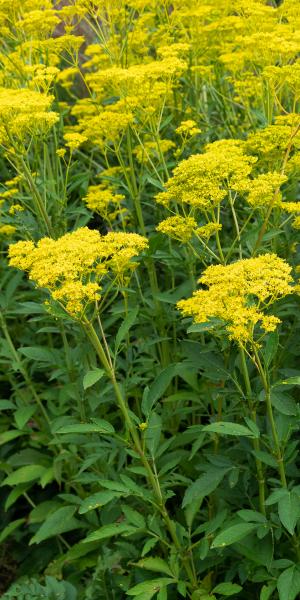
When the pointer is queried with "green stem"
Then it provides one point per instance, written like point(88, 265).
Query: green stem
point(106, 363)
point(267, 389)
point(37, 197)
point(255, 442)
point(23, 370)
point(236, 224)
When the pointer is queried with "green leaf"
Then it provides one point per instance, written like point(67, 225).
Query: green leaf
point(271, 347)
point(133, 517)
point(233, 534)
point(227, 589)
point(22, 415)
point(108, 531)
point(204, 485)
point(115, 486)
point(276, 495)
point(149, 545)
point(201, 327)
point(251, 515)
point(125, 326)
point(289, 511)
point(289, 381)
point(24, 474)
point(91, 377)
point(153, 433)
point(98, 500)
point(38, 353)
point(101, 427)
point(58, 522)
point(267, 591)
point(264, 457)
point(155, 564)
point(8, 436)
point(150, 587)
point(284, 403)
point(10, 528)
point(225, 428)
point(288, 584)
point(7, 405)
point(158, 388)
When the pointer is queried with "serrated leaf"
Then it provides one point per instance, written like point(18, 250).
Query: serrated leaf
point(150, 587)
point(226, 428)
point(101, 427)
point(98, 500)
point(133, 517)
point(155, 564)
point(289, 511)
point(158, 388)
point(271, 347)
point(288, 584)
point(284, 404)
point(24, 475)
point(204, 485)
point(37, 353)
point(58, 522)
point(153, 433)
point(115, 486)
point(91, 377)
point(233, 534)
point(125, 327)
point(227, 589)
point(108, 531)
point(149, 545)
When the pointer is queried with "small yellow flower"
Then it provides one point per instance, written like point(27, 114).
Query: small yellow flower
point(15, 208)
point(143, 426)
point(73, 140)
point(61, 152)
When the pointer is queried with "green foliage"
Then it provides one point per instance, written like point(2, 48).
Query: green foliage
point(142, 454)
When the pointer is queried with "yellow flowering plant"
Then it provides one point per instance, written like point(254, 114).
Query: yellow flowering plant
point(149, 306)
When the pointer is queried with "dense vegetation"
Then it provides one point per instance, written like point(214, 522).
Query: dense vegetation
point(149, 306)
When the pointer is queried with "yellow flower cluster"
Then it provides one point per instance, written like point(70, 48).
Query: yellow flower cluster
point(72, 267)
point(106, 128)
point(188, 128)
point(7, 230)
point(140, 80)
point(264, 189)
point(178, 228)
point(24, 113)
point(206, 231)
point(152, 150)
point(73, 140)
point(203, 180)
point(238, 294)
point(104, 201)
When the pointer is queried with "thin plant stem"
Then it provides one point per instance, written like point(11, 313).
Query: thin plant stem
point(152, 478)
point(255, 441)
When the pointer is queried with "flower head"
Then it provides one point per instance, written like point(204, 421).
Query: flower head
point(72, 266)
point(238, 293)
